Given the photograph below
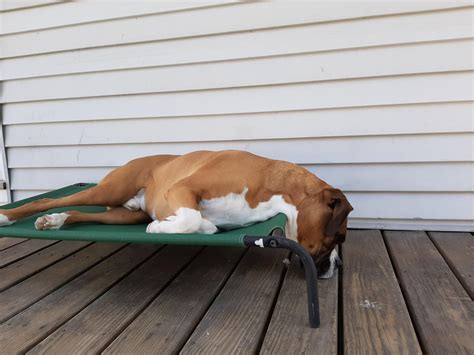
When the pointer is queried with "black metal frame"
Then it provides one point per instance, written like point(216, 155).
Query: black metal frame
point(306, 260)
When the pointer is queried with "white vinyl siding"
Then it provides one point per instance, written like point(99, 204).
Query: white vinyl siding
point(374, 97)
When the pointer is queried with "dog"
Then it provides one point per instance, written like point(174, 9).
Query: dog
point(204, 191)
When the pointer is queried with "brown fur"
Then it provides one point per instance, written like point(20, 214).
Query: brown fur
point(171, 182)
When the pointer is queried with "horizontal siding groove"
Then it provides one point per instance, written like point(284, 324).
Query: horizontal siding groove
point(305, 165)
point(223, 31)
point(69, 73)
point(429, 148)
point(444, 7)
point(389, 178)
point(16, 5)
point(7, 79)
point(136, 16)
point(280, 84)
point(244, 140)
point(242, 114)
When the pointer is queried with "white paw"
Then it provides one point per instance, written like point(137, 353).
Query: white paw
point(186, 220)
point(4, 221)
point(153, 227)
point(51, 221)
point(207, 227)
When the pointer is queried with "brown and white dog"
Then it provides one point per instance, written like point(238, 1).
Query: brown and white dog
point(202, 191)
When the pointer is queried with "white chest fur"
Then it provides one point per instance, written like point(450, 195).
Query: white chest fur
point(233, 211)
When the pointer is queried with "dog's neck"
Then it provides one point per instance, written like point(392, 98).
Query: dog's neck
point(294, 182)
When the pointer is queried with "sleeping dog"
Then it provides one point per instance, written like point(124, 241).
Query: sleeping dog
point(204, 191)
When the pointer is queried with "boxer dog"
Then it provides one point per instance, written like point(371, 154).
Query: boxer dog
point(204, 191)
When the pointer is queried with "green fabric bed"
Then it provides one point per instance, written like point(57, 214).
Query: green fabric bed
point(126, 233)
point(268, 234)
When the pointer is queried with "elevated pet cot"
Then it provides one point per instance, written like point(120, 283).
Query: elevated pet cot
point(267, 234)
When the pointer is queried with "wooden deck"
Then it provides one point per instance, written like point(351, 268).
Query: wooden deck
point(398, 292)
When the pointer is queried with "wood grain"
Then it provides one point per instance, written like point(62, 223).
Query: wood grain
point(441, 309)
point(21, 250)
point(167, 322)
point(23, 268)
point(8, 242)
point(458, 251)
point(93, 328)
point(25, 293)
point(376, 319)
point(236, 320)
point(56, 308)
point(289, 331)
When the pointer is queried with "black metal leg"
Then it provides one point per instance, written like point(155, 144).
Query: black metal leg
point(308, 264)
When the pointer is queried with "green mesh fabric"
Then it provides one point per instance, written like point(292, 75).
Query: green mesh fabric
point(125, 233)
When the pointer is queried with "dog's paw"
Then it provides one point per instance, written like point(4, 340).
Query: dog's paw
point(51, 221)
point(154, 227)
point(207, 227)
point(4, 221)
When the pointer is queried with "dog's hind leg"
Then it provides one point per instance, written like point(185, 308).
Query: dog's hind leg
point(104, 194)
point(116, 215)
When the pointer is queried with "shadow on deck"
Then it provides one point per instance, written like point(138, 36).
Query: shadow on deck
point(398, 292)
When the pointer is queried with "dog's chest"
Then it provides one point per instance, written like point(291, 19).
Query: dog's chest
point(233, 210)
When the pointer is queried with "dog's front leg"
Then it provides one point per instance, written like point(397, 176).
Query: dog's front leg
point(186, 218)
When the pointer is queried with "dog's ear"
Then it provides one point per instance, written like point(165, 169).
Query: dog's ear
point(340, 207)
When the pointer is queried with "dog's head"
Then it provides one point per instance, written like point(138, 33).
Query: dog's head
point(322, 225)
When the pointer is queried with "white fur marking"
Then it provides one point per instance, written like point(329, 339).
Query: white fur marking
point(332, 259)
point(233, 211)
point(186, 220)
point(4, 221)
point(259, 243)
point(137, 202)
point(51, 221)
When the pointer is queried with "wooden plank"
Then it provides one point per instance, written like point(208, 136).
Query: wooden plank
point(330, 150)
point(404, 119)
point(440, 307)
point(21, 250)
point(432, 177)
point(22, 295)
point(169, 320)
point(458, 251)
point(236, 320)
point(8, 242)
point(392, 90)
point(375, 317)
point(225, 19)
point(289, 331)
point(311, 67)
point(53, 310)
point(23, 268)
point(93, 328)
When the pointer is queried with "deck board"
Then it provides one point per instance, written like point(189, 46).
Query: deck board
point(376, 319)
point(169, 320)
point(289, 331)
point(398, 292)
point(21, 250)
point(458, 251)
point(441, 308)
point(23, 268)
point(53, 310)
point(91, 330)
point(236, 320)
point(27, 292)
point(6, 242)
